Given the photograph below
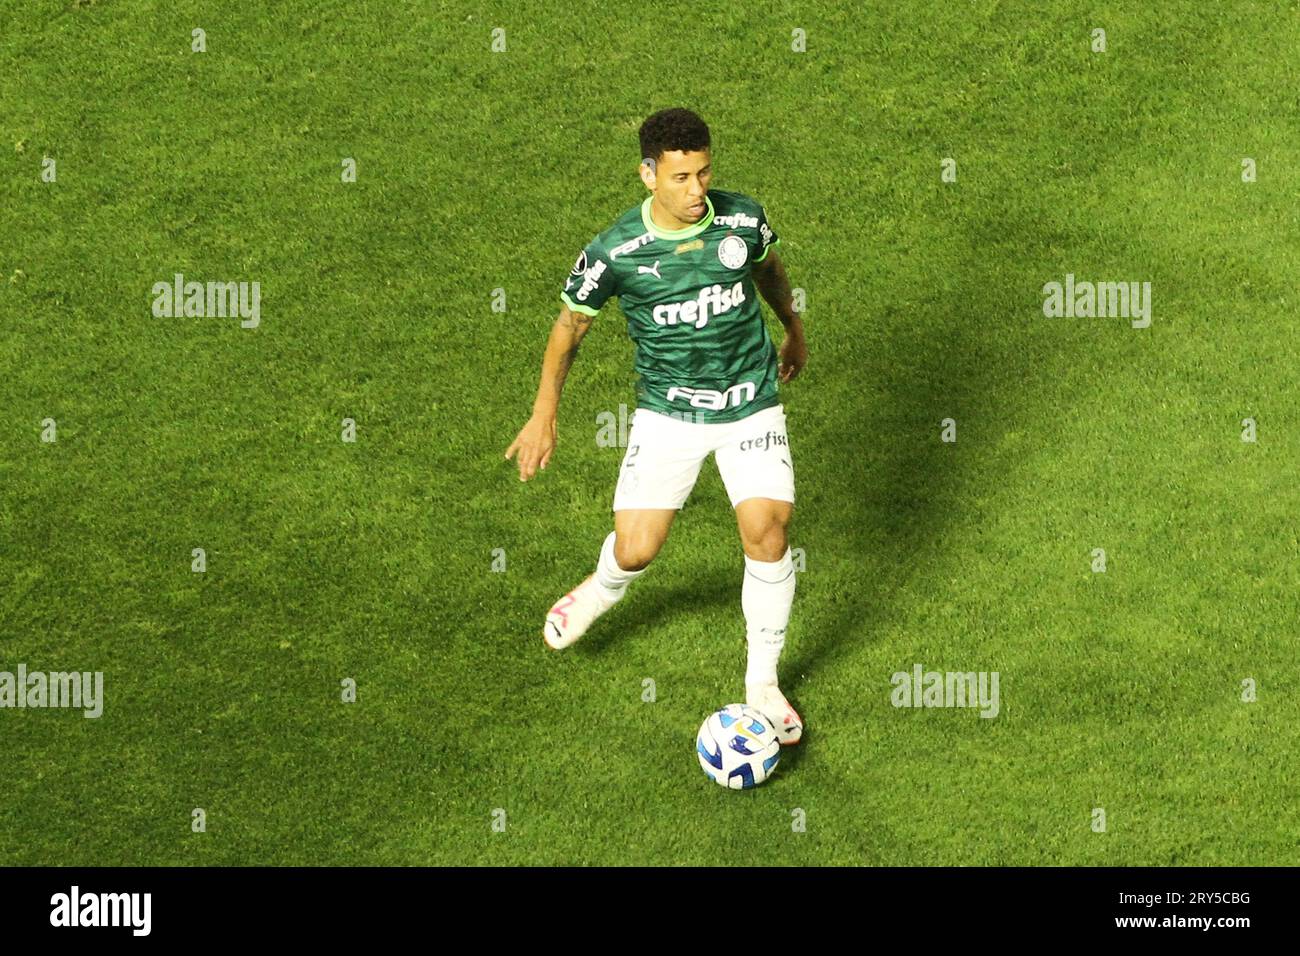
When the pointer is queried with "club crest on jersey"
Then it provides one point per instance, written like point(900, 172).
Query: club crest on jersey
point(712, 300)
point(732, 252)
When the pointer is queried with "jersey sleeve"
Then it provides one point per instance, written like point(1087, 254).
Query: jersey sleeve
point(766, 237)
point(591, 280)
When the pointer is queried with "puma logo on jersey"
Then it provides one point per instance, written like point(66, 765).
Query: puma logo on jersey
point(650, 270)
point(712, 300)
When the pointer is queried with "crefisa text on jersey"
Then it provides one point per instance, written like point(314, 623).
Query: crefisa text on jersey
point(712, 300)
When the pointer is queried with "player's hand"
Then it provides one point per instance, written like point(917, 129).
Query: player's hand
point(535, 444)
point(793, 356)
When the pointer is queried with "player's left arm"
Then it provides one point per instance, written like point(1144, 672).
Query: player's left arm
point(774, 286)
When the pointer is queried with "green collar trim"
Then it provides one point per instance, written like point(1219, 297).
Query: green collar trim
point(685, 233)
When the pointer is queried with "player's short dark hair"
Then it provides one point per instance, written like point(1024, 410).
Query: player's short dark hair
point(672, 129)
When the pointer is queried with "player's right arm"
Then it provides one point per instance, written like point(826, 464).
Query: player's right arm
point(590, 283)
point(536, 440)
point(561, 350)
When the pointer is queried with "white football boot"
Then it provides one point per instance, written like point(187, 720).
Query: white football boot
point(572, 614)
point(771, 703)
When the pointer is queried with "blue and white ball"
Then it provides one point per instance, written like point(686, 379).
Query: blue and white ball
point(738, 747)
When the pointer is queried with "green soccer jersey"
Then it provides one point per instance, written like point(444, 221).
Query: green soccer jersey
point(702, 349)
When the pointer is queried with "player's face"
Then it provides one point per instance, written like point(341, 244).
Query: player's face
point(681, 180)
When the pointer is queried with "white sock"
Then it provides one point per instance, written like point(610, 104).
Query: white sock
point(611, 580)
point(766, 597)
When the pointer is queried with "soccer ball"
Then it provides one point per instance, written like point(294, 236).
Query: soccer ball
point(737, 747)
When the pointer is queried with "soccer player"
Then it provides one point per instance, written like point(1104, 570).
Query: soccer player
point(684, 265)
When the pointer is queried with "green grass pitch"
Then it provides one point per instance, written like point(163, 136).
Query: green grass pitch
point(373, 560)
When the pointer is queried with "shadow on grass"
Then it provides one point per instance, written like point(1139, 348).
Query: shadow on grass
point(890, 504)
point(658, 604)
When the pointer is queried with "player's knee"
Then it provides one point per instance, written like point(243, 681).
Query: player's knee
point(635, 552)
point(770, 548)
point(767, 540)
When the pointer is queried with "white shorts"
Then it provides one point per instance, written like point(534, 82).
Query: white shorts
point(664, 455)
